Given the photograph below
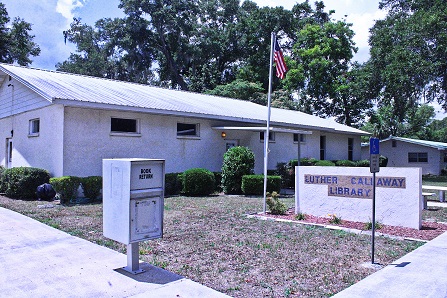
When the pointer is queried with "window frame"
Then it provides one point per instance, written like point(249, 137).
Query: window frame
point(417, 157)
point(136, 132)
point(194, 126)
point(32, 131)
point(302, 138)
point(271, 136)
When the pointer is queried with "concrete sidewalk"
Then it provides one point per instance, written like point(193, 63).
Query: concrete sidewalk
point(39, 261)
point(421, 273)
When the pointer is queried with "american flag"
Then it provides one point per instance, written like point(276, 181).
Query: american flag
point(281, 67)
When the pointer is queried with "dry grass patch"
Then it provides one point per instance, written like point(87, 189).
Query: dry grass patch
point(211, 241)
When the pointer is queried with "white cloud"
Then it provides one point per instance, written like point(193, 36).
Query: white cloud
point(66, 8)
point(361, 23)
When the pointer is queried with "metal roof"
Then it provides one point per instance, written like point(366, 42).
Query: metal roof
point(432, 144)
point(72, 89)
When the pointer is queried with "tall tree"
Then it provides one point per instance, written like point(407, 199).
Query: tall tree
point(322, 74)
point(114, 49)
point(171, 27)
point(384, 122)
point(408, 54)
point(437, 131)
point(16, 42)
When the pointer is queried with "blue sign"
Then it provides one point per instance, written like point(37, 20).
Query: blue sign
point(373, 146)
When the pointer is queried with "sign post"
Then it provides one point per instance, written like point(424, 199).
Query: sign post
point(374, 167)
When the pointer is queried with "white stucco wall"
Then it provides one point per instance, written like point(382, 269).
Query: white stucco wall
point(41, 151)
point(73, 140)
point(337, 146)
point(398, 156)
point(88, 140)
point(18, 105)
point(5, 133)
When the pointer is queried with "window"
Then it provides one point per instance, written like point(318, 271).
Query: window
point(271, 136)
point(445, 157)
point(34, 127)
point(9, 159)
point(393, 143)
point(322, 147)
point(350, 149)
point(187, 130)
point(302, 138)
point(121, 125)
point(417, 157)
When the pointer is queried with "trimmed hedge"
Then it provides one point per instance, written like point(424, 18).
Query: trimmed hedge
point(2, 185)
point(92, 186)
point(362, 163)
point(198, 182)
point(218, 181)
point(324, 163)
point(22, 182)
point(173, 184)
point(254, 184)
point(66, 187)
point(345, 163)
point(238, 161)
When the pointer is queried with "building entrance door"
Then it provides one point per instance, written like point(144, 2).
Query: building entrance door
point(231, 143)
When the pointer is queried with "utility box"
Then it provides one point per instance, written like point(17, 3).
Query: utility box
point(133, 199)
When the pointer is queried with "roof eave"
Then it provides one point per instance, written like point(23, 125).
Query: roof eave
point(27, 84)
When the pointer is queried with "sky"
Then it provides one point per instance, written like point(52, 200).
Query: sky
point(49, 18)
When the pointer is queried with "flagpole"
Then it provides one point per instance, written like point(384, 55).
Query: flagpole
point(267, 130)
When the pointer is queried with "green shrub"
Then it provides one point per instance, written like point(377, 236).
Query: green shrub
point(198, 182)
point(287, 173)
point(173, 184)
point(362, 163)
point(22, 182)
point(325, 163)
point(301, 216)
point(254, 184)
point(92, 186)
point(334, 219)
point(305, 161)
point(66, 187)
point(275, 205)
point(238, 161)
point(2, 185)
point(218, 181)
point(368, 225)
point(383, 161)
point(345, 163)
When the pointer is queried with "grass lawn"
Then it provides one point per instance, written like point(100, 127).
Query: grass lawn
point(211, 241)
point(435, 181)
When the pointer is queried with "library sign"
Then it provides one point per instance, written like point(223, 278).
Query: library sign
point(353, 186)
point(347, 192)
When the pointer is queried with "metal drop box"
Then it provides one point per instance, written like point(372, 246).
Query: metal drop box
point(133, 199)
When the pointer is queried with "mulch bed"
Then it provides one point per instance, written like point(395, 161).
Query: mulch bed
point(429, 231)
